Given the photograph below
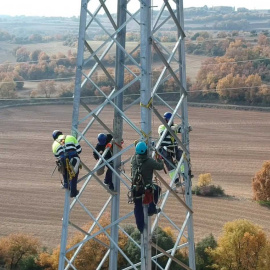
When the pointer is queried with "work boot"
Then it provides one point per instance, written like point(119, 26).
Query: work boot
point(111, 187)
point(74, 195)
point(64, 186)
point(176, 181)
point(157, 210)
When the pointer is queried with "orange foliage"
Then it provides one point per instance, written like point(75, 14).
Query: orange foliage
point(261, 183)
point(91, 252)
point(49, 261)
point(16, 247)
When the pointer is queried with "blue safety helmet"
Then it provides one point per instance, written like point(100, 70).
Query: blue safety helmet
point(141, 148)
point(167, 116)
point(56, 134)
point(102, 138)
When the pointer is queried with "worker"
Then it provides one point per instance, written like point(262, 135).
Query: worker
point(66, 149)
point(143, 165)
point(169, 149)
point(104, 141)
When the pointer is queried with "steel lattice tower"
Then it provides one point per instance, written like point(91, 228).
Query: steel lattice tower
point(147, 20)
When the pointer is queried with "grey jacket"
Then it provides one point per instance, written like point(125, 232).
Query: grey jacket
point(148, 165)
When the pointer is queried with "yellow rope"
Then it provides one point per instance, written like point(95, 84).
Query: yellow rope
point(71, 173)
point(149, 104)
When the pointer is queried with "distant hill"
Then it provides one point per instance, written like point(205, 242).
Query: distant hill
point(196, 18)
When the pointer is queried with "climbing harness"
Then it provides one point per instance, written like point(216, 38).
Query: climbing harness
point(137, 187)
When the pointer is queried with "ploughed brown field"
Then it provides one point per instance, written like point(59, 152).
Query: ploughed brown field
point(230, 144)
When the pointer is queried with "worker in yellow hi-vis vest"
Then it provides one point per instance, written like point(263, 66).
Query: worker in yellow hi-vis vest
point(66, 149)
point(169, 149)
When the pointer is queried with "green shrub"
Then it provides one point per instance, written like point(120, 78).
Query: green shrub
point(162, 238)
point(29, 263)
point(203, 259)
point(211, 191)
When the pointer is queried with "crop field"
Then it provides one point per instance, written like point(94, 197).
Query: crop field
point(230, 144)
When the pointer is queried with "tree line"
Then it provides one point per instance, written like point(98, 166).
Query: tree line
point(239, 76)
point(242, 245)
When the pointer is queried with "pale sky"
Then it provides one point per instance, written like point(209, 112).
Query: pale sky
point(68, 8)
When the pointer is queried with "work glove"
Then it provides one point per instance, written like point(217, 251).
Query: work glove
point(176, 128)
point(108, 145)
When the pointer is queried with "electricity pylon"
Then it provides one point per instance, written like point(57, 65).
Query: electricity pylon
point(134, 74)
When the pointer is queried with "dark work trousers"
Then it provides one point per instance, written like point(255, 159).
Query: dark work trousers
point(168, 157)
point(138, 208)
point(108, 178)
point(72, 183)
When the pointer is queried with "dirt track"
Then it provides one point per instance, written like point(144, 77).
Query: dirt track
point(231, 145)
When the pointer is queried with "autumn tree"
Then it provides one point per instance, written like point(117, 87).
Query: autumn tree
point(241, 246)
point(261, 183)
point(43, 57)
point(231, 88)
point(264, 263)
point(237, 50)
point(47, 88)
point(5, 35)
point(7, 89)
point(252, 82)
point(15, 248)
point(34, 55)
point(72, 56)
point(263, 40)
point(6, 67)
point(62, 72)
point(264, 93)
point(19, 81)
point(61, 59)
point(49, 261)
point(66, 90)
point(35, 38)
point(22, 55)
point(91, 252)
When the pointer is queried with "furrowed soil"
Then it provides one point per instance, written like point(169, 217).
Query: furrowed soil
point(232, 145)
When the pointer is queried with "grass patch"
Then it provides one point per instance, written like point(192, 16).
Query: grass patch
point(264, 203)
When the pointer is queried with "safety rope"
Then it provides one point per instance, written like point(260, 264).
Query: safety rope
point(148, 105)
point(117, 144)
point(146, 135)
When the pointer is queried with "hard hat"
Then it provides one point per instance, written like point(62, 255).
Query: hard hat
point(56, 134)
point(141, 148)
point(167, 116)
point(102, 138)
